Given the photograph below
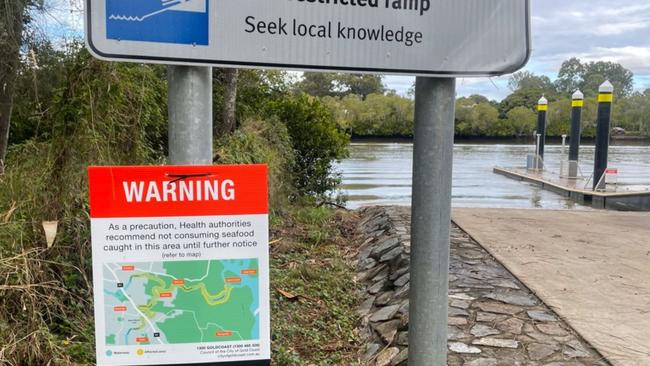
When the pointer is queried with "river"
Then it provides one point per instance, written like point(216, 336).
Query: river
point(379, 173)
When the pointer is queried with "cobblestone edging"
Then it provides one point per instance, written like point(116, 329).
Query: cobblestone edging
point(493, 318)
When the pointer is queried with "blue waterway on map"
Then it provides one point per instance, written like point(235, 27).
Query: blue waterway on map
point(252, 282)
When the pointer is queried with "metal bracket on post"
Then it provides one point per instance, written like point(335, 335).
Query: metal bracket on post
point(430, 220)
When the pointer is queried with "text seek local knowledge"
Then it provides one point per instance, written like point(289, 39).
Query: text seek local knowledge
point(281, 27)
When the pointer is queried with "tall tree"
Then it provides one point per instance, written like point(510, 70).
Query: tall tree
point(588, 76)
point(528, 80)
point(569, 78)
point(229, 119)
point(597, 72)
point(361, 84)
point(318, 84)
point(12, 21)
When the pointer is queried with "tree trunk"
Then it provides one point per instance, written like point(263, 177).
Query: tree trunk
point(11, 28)
point(229, 119)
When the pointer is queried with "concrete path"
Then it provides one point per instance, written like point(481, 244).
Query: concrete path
point(494, 320)
point(592, 268)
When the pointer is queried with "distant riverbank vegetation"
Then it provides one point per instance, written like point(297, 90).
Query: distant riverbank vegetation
point(364, 108)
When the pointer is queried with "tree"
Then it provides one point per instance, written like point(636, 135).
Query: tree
point(569, 78)
point(318, 84)
point(575, 75)
point(13, 16)
point(523, 120)
point(597, 72)
point(317, 143)
point(474, 119)
point(528, 80)
point(524, 98)
point(229, 120)
point(361, 84)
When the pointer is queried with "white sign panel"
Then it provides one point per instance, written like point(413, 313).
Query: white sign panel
point(180, 265)
point(419, 37)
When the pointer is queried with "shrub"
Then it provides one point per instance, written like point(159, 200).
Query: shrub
point(105, 113)
point(317, 143)
point(257, 142)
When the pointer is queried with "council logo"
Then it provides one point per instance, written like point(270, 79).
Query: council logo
point(162, 21)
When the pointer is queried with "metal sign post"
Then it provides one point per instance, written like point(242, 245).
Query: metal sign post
point(190, 115)
point(430, 220)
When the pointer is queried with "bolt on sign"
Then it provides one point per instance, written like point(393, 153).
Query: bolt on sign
point(180, 264)
point(415, 37)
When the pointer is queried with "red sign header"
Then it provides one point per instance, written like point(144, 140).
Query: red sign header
point(153, 191)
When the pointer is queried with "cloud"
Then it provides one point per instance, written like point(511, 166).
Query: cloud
point(592, 30)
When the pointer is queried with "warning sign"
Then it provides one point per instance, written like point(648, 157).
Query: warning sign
point(180, 264)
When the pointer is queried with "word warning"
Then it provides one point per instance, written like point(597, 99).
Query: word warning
point(180, 264)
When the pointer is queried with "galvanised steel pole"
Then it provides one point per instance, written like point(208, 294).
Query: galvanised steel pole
point(576, 129)
point(542, 108)
point(190, 115)
point(605, 99)
point(430, 220)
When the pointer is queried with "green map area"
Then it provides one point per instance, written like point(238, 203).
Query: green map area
point(181, 302)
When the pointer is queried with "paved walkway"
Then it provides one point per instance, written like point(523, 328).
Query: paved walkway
point(592, 268)
point(494, 320)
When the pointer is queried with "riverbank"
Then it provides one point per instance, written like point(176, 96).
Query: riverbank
point(494, 319)
point(313, 297)
point(615, 140)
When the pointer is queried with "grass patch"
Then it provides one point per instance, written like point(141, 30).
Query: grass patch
point(313, 294)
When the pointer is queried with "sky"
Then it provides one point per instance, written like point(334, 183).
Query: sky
point(592, 30)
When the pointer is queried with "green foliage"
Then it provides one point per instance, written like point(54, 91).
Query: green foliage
point(559, 118)
point(316, 140)
point(528, 80)
point(102, 114)
point(588, 76)
point(267, 142)
point(320, 84)
point(78, 111)
point(255, 89)
point(523, 121)
point(38, 81)
point(361, 84)
point(317, 327)
point(528, 98)
point(474, 119)
point(377, 115)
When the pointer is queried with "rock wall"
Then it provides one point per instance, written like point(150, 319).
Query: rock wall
point(383, 264)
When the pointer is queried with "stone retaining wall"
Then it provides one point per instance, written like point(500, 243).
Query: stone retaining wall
point(493, 318)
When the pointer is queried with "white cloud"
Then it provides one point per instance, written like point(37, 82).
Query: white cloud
point(592, 30)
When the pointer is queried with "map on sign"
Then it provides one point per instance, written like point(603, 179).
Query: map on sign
point(163, 21)
point(179, 302)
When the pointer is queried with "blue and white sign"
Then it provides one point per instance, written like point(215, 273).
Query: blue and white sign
point(414, 37)
point(164, 21)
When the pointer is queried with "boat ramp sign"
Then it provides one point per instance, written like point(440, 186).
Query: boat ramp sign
point(180, 265)
point(417, 37)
